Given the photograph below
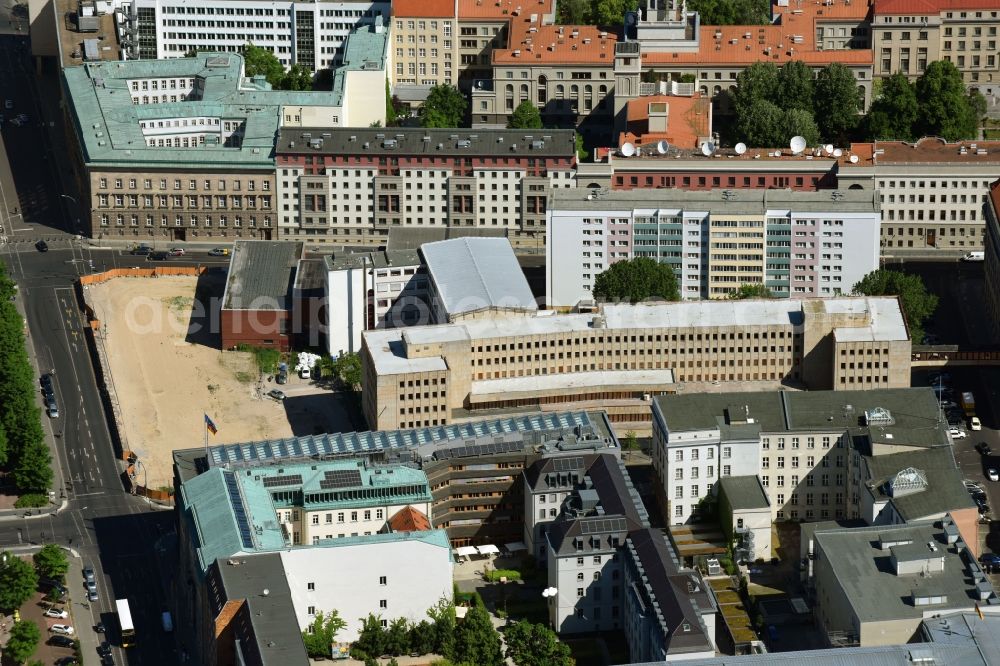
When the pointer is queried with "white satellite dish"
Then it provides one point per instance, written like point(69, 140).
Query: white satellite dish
point(707, 148)
point(837, 152)
point(828, 148)
point(627, 149)
point(662, 147)
point(741, 148)
point(797, 144)
point(854, 159)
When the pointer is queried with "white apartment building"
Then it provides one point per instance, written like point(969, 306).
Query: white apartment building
point(297, 32)
point(796, 243)
point(392, 575)
point(820, 455)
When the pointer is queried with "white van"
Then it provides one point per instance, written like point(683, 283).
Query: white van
point(976, 255)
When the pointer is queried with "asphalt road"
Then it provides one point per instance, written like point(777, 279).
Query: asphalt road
point(126, 540)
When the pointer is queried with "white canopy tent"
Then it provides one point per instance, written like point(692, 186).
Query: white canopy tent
point(465, 551)
point(489, 549)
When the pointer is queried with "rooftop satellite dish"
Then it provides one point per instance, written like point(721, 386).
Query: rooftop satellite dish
point(627, 149)
point(707, 148)
point(662, 147)
point(837, 152)
point(797, 144)
point(828, 148)
point(854, 159)
point(741, 148)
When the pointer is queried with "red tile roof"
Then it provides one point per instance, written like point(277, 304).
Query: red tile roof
point(503, 9)
point(928, 150)
point(688, 119)
point(924, 7)
point(423, 8)
point(409, 519)
point(534, 43)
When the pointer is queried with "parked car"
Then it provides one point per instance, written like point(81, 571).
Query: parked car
point(975, 423)
point(992, 474)
point(46, 381)
point(91, 586)
point(52, 409)
point(142, 250)
point(104, 648)
point(948, 404)
point(88, 574)
point(176, 252)
point(62, 629)
point(157, 256)
point(66, 661)
point(42, 246)
point(61, 641)
point(957, 433)
point(92, 595)
point(990, 561)
point(984, 449)
point(219, 252)
point(277, 394)
point(100, 628)
point(56, 612)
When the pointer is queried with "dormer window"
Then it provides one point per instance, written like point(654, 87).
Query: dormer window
point(686, 626)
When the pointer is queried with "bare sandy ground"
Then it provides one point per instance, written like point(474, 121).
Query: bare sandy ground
point(166, 384)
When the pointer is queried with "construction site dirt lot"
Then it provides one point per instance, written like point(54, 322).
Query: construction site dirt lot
point(167, 374)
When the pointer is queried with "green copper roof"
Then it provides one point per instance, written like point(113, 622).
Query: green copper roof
point(107, 122)
point(364, 49)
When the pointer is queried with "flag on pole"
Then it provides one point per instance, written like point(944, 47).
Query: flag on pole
point(210, 425)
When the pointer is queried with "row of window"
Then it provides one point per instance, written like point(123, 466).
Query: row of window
point(192, 183)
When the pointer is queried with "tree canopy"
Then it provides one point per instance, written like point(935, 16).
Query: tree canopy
point(18, 581)
point(835, 102)
point(51, 562)
point(535, 645)
point(24, 638)
point(914, 299)
point(751, 291)
point(732, 12)
point(525, 116)
point(796, 86)
point(893, 112)
point(476, 641)
point(444, 107)
point(258, 61)
point(346, 368)
point(944, 107)
point(637, 280)
point(323, 631)
point(296, 78)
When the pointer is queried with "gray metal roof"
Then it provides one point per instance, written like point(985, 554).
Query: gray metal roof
point(748, 201)
point(398, 141)
point(473, 274)
point(944, 491)
point(261, 275)
point(744, 492)
point(274, 632)
point(966, 630)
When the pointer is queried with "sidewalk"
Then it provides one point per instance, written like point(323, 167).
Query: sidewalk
point(80, 610)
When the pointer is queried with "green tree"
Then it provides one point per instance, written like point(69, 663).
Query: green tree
point(762, 125)
point(835, 102)
point(390, 109)
point(34, 468)
point(525, 116)
point(322, 632)
point(914, 299)
point(24, 638)
point(799, 122)
point(944, 107)
point(397, 637)
point(296, 78)
point(630, 443)
point(611, 12)
point(258, 61)
point(751, 291)
point(581, 153)
point(637, 280)
point(51, 562)
point(893, 113)
point(574, 12)
point(757, 83)
point(535, 645)
point(444, 107)
point(347, 369)
point(371, 640)
point(476, 641)
point(732, 12)
point(18, 581)
point(421, 637)
point(442, 615)
point(795, 86)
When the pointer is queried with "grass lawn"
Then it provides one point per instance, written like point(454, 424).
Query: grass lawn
point(757, 591)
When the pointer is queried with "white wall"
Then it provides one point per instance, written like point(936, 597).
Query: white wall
point(565, 575)
point(345, 310)
point(364, 97)
point(347, 578)
point(565, 284)
point(758, 521)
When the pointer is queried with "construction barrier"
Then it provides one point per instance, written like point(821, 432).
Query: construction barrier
point(159, 271)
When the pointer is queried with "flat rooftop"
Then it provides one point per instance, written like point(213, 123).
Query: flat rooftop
point(876, 592)
point(261, 275)
point(388, 350)
point(610, 380)
point(926, 151)
point(742, 201)
point(473, 274)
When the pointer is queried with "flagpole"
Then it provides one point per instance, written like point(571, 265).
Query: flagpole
point(204, 427)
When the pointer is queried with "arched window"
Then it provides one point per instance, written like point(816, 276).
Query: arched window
point(525, 93)
point(542, 95)
point(704, 91)
point(560, 91)
point(510, 97)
